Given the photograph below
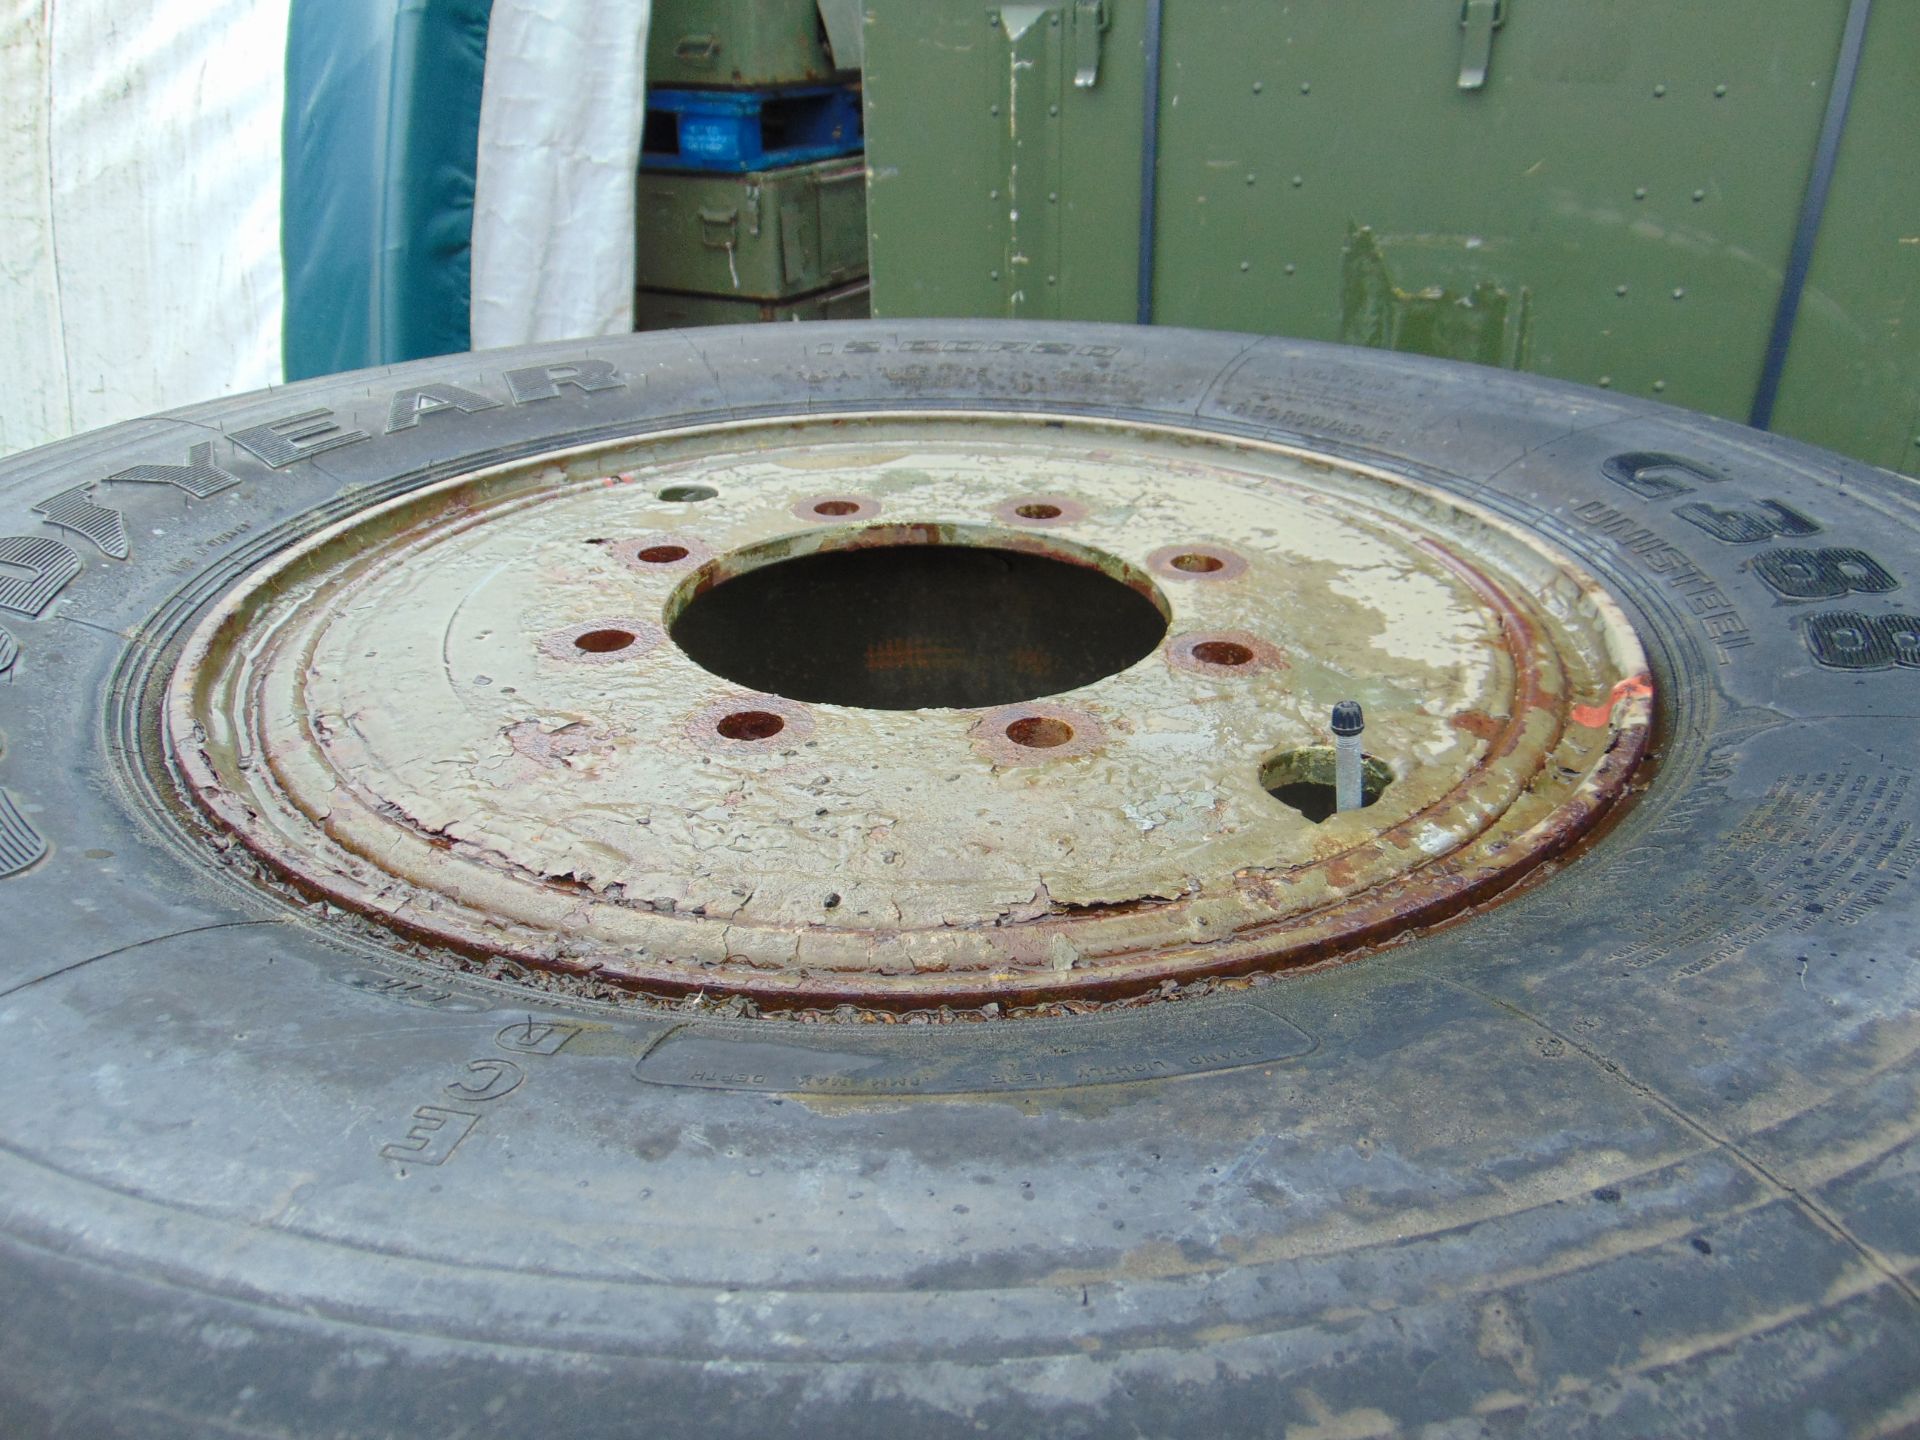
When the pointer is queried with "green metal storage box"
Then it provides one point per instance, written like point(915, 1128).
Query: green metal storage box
point(1605, 191)
point(658, 310)
point(738, 42)
point(768, 235)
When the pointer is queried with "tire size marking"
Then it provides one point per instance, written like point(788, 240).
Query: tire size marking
point(1655, 475)
point(1837, 640)
point(1824, 574)
point(1749, 527)
point(1848, 640)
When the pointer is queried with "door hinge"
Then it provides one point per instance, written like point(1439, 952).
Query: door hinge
point(1478, 20)
point(1090, 18)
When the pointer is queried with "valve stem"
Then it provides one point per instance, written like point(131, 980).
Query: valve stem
point(1348, 791)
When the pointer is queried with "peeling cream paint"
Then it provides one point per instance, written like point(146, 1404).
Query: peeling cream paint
point(382, 700)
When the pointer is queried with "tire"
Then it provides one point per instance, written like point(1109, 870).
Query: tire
point(1631, 1153)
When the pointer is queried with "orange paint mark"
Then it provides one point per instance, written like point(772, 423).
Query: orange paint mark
point(1595, 717)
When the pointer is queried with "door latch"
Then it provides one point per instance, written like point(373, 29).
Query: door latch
point(719, 229)
point(1478, 20)
point(1089, 20)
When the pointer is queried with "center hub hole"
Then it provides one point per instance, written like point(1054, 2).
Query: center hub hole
point(919, 626)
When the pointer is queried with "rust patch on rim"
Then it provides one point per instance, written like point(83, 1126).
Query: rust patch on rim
point(1099, 843)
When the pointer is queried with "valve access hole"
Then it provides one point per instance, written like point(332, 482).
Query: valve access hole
point(1302, 780)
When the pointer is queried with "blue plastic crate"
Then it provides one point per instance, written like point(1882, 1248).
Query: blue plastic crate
point(738, 130)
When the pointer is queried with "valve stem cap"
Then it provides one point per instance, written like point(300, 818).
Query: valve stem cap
point(1347, 719)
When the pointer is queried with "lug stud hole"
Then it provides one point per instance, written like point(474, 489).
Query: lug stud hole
point(1037, 511)
point(1223, 652)
point(687, 494)
point(750, 725)
point(1039, 732)
point(834, 508)
point(603, 642)
point(1198, 564)
point(663, 554)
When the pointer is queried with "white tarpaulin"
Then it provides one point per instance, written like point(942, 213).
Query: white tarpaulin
point(141, 165)
point(560, 122)
point(139, 207)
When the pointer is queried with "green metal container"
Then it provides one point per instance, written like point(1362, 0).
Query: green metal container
point(659, 310)
point(768, 235)
point(1606, 192)
point(738, 43)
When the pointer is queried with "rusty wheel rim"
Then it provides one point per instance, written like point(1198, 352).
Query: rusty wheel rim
point(394, 717)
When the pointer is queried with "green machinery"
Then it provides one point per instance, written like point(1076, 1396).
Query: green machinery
point(1608, 192)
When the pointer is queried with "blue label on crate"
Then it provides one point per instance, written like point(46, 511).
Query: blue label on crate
point(706, 138)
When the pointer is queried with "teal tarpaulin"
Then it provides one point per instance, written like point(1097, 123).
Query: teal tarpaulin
point(379, 145)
